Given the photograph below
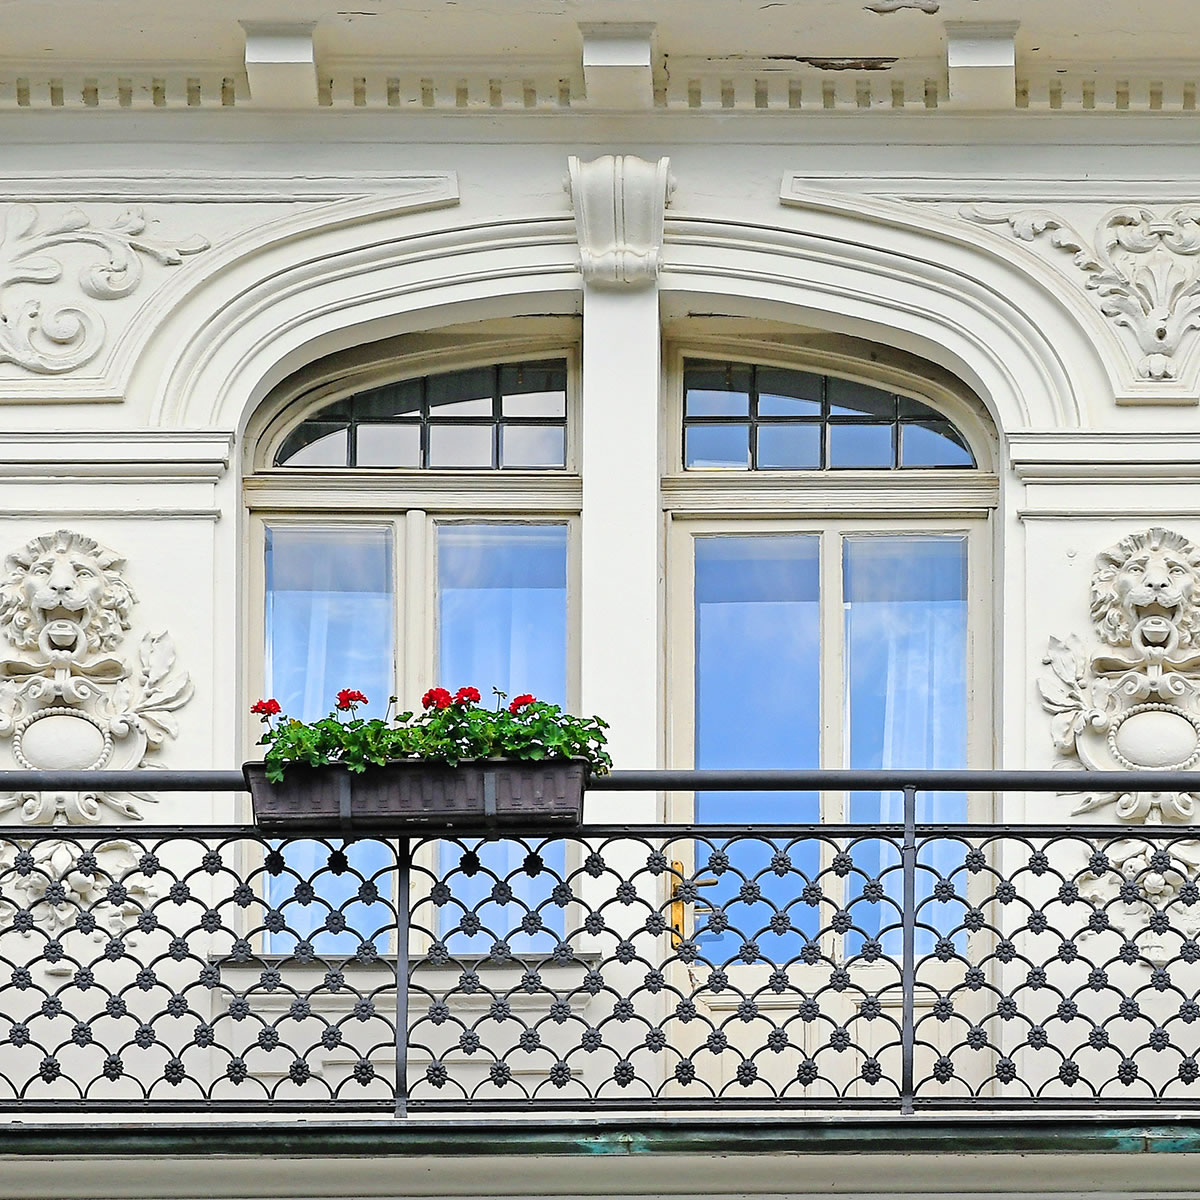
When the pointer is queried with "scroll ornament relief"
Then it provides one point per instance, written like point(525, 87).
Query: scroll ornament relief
point(1135, 705)
point(50, 342)
point(1144, 267)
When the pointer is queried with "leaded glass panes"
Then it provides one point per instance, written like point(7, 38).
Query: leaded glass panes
point(508, 416)
point(740, 416)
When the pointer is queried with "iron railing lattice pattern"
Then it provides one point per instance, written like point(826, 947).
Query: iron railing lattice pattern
point(800, 967)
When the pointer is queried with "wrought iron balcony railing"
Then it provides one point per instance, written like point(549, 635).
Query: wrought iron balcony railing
point(901, 966)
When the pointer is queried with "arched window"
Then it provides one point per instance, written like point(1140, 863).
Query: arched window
point(829, 588)
point(415, 523)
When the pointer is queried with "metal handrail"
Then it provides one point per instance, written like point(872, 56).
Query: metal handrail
point(679, 780)
point(915, 866)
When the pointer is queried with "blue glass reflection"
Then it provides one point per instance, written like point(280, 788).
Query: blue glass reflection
point(862, 446)
point(329, 623)
point(717, 446)
point(502, 622)
point(757, 705)
point(906, 699)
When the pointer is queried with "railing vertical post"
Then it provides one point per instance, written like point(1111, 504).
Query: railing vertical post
point(403, 925)
point(908, 858)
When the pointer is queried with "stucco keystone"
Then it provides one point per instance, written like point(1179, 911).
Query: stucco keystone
point(619, 203)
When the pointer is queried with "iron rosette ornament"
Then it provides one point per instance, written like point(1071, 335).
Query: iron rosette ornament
point(73, 695)
point(1134, 704)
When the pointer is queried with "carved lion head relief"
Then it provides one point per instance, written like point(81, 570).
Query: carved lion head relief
point(1134, 704)
point(1146, 591)
point(67, 589)
point(73, 695)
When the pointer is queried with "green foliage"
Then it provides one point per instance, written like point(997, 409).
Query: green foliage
point(454, 732)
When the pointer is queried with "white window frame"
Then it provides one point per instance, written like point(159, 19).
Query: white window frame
point(412, 502)
point(732, 502)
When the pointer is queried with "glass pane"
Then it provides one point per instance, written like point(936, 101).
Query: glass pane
point(757, 705)
point(533, 446)
point(502, 608)
point(329, 625)
point(861, 446)
point(462, 393)
point(460, 445)
point(534, 389)
point(906, 694)
point(502, 622)
point(401, 399)
point(788, 393)
point(933, 444)
point(716, 389)
point(909, 407)
point(717, 446)
point(850, 399)
point(794, 447)
point(315, 444)
point(388, 445)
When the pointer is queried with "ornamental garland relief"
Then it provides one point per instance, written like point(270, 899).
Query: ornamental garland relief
point(1142, 265)
point(53, 340)
point(1134, 704)
point(73, 695)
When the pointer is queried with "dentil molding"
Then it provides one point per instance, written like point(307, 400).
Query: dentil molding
point(73, 696)
point(619, 203)
point(55, 340)
point(1141, 264)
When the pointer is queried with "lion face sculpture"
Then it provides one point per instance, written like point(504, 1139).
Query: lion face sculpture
point(68, 587)
point(1145, 591)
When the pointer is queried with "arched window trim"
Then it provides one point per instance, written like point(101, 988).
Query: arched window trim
point(338, 376)
point(860, 362)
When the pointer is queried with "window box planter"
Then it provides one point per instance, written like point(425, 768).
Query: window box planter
point(419, 796)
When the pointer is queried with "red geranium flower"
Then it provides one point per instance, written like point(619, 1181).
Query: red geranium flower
point(437, 698)
point(347, 698)
point(266, 708)
point(467, 695)
point(520, 702)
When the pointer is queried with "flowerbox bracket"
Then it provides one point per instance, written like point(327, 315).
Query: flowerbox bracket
point(419, 797)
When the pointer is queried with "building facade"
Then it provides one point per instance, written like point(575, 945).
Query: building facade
point(809, 385)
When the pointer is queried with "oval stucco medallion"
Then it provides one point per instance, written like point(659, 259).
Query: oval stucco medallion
point(58, 741)
point(1156, 737)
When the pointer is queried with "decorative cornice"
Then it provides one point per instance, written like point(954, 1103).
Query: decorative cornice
point(619, 202)
point(180, 456)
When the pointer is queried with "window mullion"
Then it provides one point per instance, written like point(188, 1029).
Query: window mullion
point(413, 606)
point(833, 709)
point(833, 805)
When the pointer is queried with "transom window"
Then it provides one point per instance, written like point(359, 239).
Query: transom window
point(508, 415)
point(744, 416)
